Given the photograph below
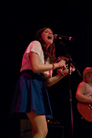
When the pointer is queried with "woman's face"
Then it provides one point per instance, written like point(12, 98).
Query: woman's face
point(89, 76)
point(47, 36)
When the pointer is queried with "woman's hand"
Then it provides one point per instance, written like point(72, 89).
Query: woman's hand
point(62, 63)
point(64, 71)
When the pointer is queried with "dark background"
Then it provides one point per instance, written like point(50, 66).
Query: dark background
point(19, 22)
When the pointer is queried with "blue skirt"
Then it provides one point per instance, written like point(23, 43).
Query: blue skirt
point(31, 94)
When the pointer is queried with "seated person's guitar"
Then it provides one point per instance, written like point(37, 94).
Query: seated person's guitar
point(85, 110)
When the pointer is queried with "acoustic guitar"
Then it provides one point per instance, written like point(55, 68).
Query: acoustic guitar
point(85, 110)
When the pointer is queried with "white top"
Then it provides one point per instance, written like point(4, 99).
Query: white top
point(36, 47)
point(88, 91)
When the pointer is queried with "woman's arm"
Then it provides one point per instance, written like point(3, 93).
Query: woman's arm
point(80, 94)
point(61, 74)
point(38, 67)
point(51, 81)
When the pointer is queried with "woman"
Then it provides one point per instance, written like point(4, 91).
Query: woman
point(31, 95)
point(84, 95)
point(84, 90)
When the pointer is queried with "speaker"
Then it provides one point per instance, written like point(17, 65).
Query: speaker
point(55, 131)
point(25, 128)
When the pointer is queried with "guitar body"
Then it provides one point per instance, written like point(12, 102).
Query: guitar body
point(85, 110)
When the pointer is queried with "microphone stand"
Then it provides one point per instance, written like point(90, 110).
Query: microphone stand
point(70, 91)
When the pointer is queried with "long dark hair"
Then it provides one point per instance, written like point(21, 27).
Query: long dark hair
point(50, 52)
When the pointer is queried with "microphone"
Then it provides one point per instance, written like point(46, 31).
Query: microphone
point(61, 37)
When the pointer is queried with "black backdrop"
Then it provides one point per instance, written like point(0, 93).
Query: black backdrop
point(19, 22)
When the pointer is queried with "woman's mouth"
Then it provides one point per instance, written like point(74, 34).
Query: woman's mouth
point(49, 37)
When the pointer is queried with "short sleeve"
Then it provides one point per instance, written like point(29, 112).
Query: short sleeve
point(34, 46)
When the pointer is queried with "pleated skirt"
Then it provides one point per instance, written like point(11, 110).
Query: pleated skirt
point(31, 95)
